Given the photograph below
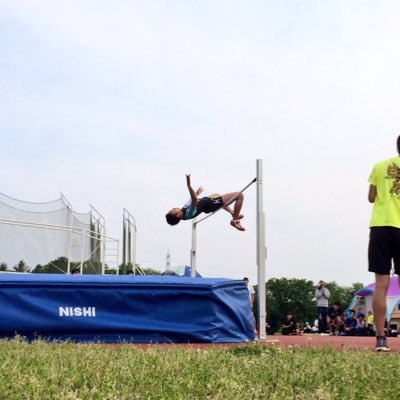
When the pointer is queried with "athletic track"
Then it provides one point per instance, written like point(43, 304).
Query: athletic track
point(337, 342)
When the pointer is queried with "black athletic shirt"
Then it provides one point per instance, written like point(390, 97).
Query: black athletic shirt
point(204, 205)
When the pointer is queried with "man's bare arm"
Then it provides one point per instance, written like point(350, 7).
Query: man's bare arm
point(372, 193)
point(193, 195)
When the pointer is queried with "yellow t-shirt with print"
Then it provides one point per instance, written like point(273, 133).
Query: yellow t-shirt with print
point(386, 177)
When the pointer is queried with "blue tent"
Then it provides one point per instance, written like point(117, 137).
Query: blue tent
point(187, 272)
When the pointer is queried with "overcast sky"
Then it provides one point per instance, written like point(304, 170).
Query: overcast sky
point(112, 103)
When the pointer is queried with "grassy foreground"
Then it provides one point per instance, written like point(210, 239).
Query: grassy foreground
point(89, 371)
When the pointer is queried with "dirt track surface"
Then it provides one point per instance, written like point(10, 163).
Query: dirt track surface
point(337, 342)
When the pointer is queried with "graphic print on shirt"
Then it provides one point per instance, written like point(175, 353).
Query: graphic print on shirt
point(393, 172)
point(218, 200)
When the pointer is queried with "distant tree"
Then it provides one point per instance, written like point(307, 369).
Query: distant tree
point(60, 266)
point(294, 295)
point(343, 294)
point(123, 268)
point(297, 296)
point(3, 266)
point(356, 287)
point(338, 293)
point(151, 271)
point(21, 267)
point(92, 267)
point(38, 269)
point(110, 271)
point(57, 266)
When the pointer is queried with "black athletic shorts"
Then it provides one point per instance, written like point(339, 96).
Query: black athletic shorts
point(209, 205)
point(384, 246)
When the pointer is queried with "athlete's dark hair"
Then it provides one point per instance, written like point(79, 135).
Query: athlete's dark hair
point(172, 219)
point(398, 144)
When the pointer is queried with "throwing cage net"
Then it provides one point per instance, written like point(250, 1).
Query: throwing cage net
point(41, 233)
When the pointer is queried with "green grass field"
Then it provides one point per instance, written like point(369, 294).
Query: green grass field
point(90, 371)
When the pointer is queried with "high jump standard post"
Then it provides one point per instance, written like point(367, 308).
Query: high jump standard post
point(261, 249)
point(261, 252)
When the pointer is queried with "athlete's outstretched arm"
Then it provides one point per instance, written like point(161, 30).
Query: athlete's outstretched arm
point(193, 195)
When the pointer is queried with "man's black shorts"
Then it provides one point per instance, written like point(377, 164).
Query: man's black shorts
point(384, 246)
point(209, 205)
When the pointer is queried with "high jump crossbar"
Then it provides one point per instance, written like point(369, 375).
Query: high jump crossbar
point(261, 249)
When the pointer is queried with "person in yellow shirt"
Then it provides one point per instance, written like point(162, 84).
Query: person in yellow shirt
point(384, 242)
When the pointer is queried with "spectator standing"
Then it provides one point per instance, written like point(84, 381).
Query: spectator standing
point(252, 294)
point(251, 290)
point(384, 239)
point(322, 295)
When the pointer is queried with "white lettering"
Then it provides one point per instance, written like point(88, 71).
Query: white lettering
point(63, 311)
point(77, 311)
point(87, 311)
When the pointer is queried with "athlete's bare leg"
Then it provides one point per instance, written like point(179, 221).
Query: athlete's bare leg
point(226, 207)
point(230, 211)
point(238, 200)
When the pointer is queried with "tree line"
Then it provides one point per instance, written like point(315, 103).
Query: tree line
point(297, 296)
point(60, 266)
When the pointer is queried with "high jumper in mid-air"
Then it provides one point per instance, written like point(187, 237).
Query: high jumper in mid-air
point(208, 204)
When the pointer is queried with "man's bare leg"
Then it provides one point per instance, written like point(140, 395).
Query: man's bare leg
point(379, 302)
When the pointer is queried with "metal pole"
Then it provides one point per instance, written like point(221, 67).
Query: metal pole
point(129, 247)
point(193, 250)
point(117, 258)
point(123, 239)
point(71, 215)
point(82, 254)
point(168, 261)
point(261, 252)
point(103, 259)
point(134, 246)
